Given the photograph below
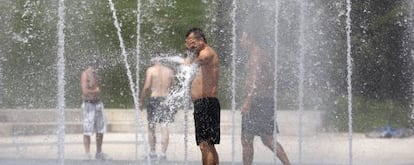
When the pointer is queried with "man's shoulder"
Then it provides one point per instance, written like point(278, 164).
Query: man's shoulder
point(166, 68)
point(87, 70)
point(151, 69)
point(209, 51)
point(213, 52)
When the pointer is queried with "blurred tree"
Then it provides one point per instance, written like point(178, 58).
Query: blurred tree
point(382, 68)
point(28, 73)
point(381, 63)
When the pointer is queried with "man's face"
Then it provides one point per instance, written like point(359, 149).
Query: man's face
point(191, 42)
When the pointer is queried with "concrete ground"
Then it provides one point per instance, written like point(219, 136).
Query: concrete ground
point(311, 147)
point(124, 149)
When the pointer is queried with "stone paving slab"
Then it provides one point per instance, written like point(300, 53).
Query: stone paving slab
point(109, 162)
point(125, 149)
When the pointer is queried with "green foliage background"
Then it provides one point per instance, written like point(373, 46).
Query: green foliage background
point(29, 45)
point(382, 40)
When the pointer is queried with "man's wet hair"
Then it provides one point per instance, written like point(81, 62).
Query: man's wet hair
point(155, 54)
point(198, 34)
point(94, 62)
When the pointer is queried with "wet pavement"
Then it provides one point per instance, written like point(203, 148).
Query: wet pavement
point(124, 146)
point(127, 148)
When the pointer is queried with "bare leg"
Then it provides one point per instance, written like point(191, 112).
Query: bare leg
point(165, 138)
point(281, 154)
point(87, 143)
point(99, 139)
point(209, 154)
point(151, 137)
point(248, 150)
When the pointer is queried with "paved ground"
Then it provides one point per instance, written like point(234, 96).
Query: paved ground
point(310, 148)
point(124, 149)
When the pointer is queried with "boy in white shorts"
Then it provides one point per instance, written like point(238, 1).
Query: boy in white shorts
point(93, 116)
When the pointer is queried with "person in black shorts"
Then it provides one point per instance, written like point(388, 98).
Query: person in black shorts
point(257, 111)
point(207, 120)
point(259, 120)
point(204, 87)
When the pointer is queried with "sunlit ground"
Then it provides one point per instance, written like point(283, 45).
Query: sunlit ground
point(312, 147)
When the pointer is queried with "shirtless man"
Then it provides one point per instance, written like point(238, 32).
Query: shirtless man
point(258, 107)
point(159, 79)
point(204, 95)
point(93, 114)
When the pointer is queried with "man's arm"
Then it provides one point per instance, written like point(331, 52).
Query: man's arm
point(172, 82)
point(250, 82)
point(204, 57)
point(84, 83)
point(147, 85)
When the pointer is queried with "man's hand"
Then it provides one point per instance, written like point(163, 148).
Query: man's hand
point(245, 108)
point(187, 61)
point(141, 102)
point(190, 44)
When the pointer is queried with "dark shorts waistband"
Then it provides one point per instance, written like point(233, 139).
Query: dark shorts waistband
point(204, 99)
point(92, 101)
point(157, 98)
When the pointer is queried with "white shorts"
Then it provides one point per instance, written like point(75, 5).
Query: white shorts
point(93, 118)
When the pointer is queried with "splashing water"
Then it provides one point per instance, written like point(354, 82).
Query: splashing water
point(2, 89)
point(61, 82)
point(172, 59)
point(276, 46)
point(129, 74)
point(180, 95)
point(302, 28)
point(349, 75)
point(411, 34)
point(233, 79)
point(138, 48)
